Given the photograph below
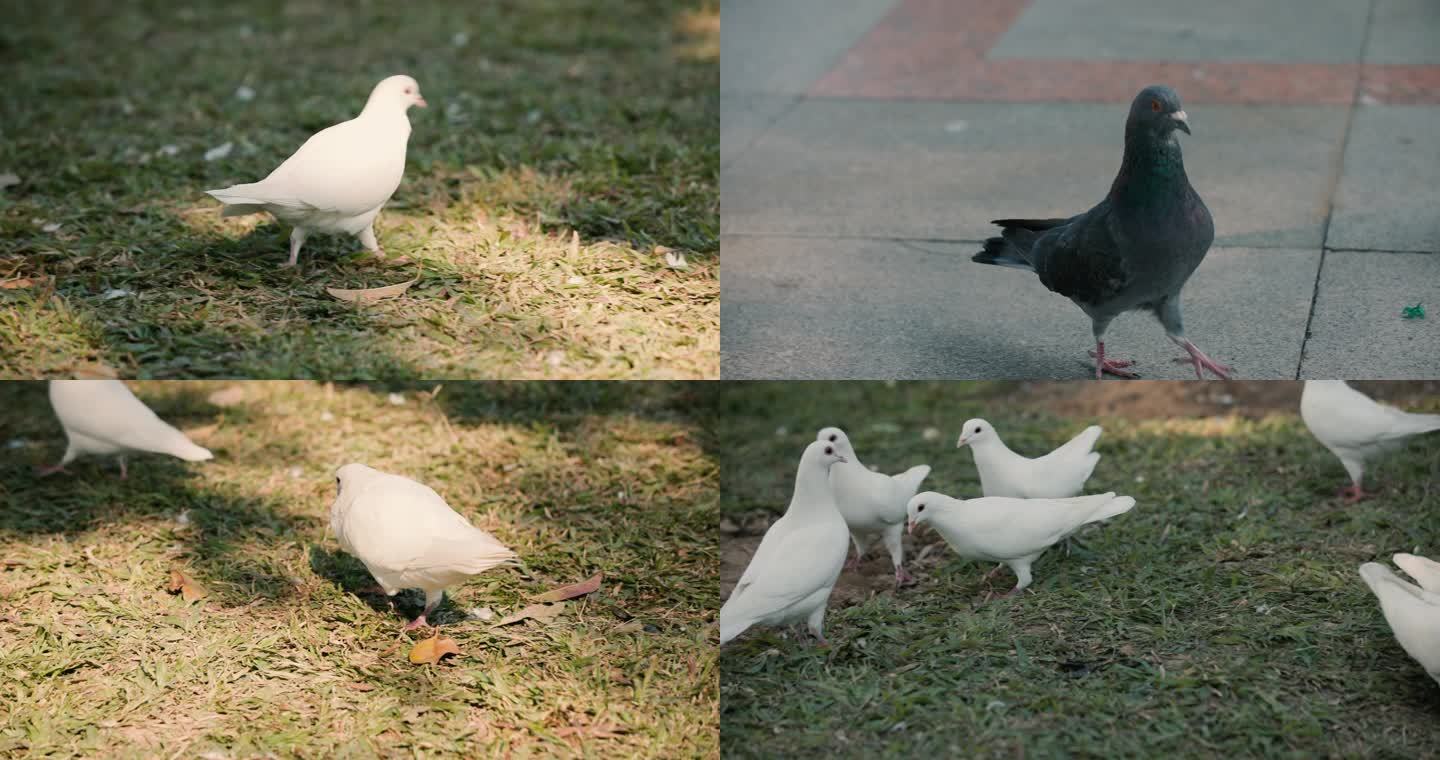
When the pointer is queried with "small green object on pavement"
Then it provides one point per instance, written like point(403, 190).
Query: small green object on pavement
point(1413, 312)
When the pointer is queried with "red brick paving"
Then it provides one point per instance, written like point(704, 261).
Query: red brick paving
point(935, 50)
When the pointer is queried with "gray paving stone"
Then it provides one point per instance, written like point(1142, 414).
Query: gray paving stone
point(1332, 31)
point(821, 308)
point(943, 170)
point(1389, 194)
point(1405, 31)
point(1358, 332)
point(783, 46)
point(744, 117)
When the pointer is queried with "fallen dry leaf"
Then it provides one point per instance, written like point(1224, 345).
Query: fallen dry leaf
point(23, 282)
point(432, 649)
point(587, 586)
point(357, 686)
point(186, 587)
point(228, 396)
point(369, 295)
point(540, 613)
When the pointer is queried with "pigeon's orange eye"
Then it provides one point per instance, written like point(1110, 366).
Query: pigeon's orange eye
point(1154, 106)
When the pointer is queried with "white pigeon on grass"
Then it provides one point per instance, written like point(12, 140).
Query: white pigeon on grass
point(341, 177)
point(873, 504)
point(1355, 428)
point(1014, 532)
point(1060, 474)
point(1412, 612)
point(407, 536)
point(793, 571)
point(103, 417)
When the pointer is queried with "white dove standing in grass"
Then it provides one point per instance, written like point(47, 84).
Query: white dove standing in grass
point(1355, 428)
point(1060, 474)
point(793, 571)
point(1014, 532)
point(1413, 612)
point(342, 176)
point(873, 504)
point(103, 417)
point(407, 536)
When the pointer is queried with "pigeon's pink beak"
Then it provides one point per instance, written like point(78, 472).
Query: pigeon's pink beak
point(910, 527)
point(961, 443)
point(420, 101)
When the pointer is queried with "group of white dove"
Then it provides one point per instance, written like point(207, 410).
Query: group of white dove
point(404, 532)
point(1029, 505)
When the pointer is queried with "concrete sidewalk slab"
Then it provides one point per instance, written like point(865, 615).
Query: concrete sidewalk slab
point(1404, 32)
point(781, 48)
point(819, 308)
point(1183, 30)
point(944, 170)
point(1389, 193)
point(1358, 331)
point(743, 117)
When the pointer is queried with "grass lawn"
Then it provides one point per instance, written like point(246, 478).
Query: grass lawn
point(566, 145)
point(289, 656)
point(1223, 616)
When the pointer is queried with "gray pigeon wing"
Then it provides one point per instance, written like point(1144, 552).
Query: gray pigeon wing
point(1082, 260)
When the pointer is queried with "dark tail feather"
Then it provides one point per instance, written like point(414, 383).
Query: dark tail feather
point(1034, 225)
point(1001, 253)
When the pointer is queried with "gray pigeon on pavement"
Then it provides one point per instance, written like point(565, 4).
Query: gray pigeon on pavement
point(1134, 250)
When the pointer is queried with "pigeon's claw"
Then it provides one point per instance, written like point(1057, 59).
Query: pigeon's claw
point(1352, 493)
point(418, 622)
point(1201, 362)
point(41, 472)
point(902, 577)
point(1115, 367)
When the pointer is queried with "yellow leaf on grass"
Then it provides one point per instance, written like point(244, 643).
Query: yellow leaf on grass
point(587, 586)
point(368, 295)
point(432, 649)
point(540, 613)
point(186, 587)
point(23, 282)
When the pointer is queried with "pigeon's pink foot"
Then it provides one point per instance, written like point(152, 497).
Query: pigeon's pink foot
point(41, 472)
point(418, 622)
point(852, 564)
point(1200, 361)
point(1115, 367)
point(902, 577)
point(1010, 593)
point(1352, 493)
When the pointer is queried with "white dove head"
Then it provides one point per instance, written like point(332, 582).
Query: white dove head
point(920, 508)
point(975, 431)
point(837, 436)
point(822, 454)
point(398, 92)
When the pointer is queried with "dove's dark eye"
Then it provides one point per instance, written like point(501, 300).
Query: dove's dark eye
point(1155, 106)
point(832, 437)
point(977, 431)
point(829, 450)
point(920, 508)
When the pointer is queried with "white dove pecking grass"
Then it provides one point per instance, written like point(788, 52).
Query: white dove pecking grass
point(1412, 612)
point(338, 181)
point(1355, 428)
point(1425, 571)
point(407, 536)
point(793, 571)
point(872, 503)
point(103, 417)
point(1014, 532)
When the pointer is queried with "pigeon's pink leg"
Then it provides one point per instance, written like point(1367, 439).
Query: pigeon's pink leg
point(1200, 360)
point(432, 600)
point(992, 573)
point(1353, 493)
point(1115, 367)
point(41, 472)
point(124, 473)
point(297, 239)
point(902, 578)
point(418, 622)
point(852, 564)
